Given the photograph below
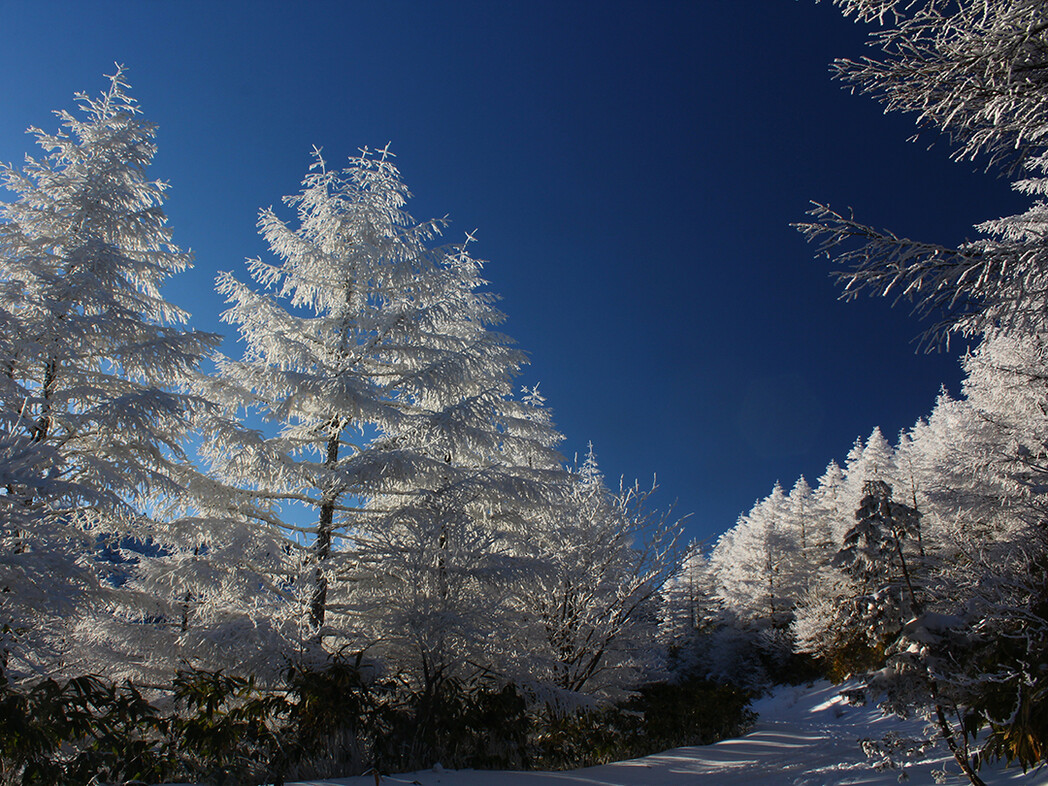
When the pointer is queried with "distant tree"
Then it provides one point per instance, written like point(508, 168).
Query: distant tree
point(593, 610)
point(815, 626)
point(691, 596)
point(914, 474)
point(873, 459)
point(800, 504)
point(94, 405)
point(761, 569)
point(830, 503)
point(814, 533)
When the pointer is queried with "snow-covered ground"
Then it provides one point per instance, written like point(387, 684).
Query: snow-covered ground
point(804, 737)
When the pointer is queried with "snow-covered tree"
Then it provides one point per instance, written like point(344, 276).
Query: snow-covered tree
point(592, 612)
point(95, 365)
point(396, 436)
point(991, 554)
point(439, 559)
point(322, 360)
point(873, 459)
point(691, 603)
point(800, 507)
point(830, 501)
point(813, 531)
point(758, 567)
point(762, 574)
point(915, 477)
point(874, 553)
point(974, 70)
point(814, 625)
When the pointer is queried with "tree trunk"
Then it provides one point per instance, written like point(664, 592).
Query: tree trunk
point(322, 546)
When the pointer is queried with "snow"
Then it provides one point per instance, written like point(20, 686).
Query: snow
point(805, 736)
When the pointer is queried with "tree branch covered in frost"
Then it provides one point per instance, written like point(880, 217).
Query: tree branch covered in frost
point(975, 69)
point(998, 283)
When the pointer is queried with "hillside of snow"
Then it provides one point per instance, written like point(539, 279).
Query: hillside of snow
point(805, 736)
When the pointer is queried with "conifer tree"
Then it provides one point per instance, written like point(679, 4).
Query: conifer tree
point(813, 533)
point(691, 603)
point(973, 69)
point(873, 459)
point(441, 556)
point(371, 358)
point(829, 501)
point(874, 551)
point(758, 567)
point(96, 363)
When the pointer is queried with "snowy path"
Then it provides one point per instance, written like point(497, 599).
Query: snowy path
point(805, 737)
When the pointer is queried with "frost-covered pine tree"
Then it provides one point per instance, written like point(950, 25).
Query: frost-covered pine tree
point(813, 531)
point(692, 615)
point(972, 69)
point(814, 625)
point(94, 409)
point(873, 459)
point(389, 432)
point(329, 333)
point(691, 603)
point(761, 573)
point(758, 566)
point(444, 550)
point(829, 501)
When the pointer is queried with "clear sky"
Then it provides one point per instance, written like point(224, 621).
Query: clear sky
point(632, 170)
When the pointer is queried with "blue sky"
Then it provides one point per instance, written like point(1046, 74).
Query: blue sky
point(632, 170)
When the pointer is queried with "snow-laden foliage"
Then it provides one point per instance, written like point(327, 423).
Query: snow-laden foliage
point(692, 604)
point(935, 590)
point(93, 401)
point(757, 566)
point(974, 471)
point(355, 542)
point(974, 69)
point(391, 433)
point(593, 608)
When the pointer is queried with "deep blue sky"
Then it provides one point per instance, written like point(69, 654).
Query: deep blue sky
point(632, 169)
